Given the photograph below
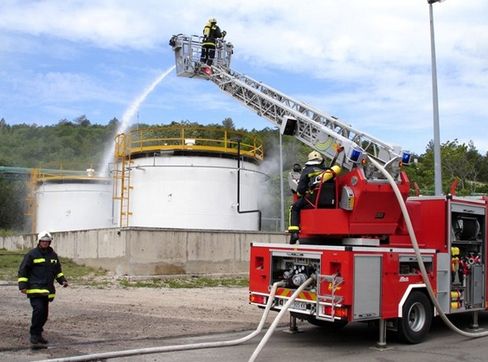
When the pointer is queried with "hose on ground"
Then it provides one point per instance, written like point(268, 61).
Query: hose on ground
point(271, 329)
point(423, 271)
point(161, 349)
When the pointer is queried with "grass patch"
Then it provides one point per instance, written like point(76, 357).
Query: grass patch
point(194, 282)
point(80, 272)
point(5, 232)
point(10, 261)
point(99, 278)
point(9, 264)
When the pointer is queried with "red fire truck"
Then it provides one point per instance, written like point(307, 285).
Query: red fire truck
point(354, 240)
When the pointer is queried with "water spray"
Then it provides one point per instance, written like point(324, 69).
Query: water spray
point(128, 116)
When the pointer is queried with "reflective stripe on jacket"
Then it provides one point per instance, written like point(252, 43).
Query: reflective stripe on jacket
point(37, 273)
point(306, 182)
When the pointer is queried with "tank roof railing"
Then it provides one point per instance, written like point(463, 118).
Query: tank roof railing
point(42, 175)
point(188, 138)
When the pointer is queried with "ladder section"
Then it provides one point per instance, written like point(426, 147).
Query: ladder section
point(327, 134)
point(331, 299)
point(121, 179)
point(322, 132)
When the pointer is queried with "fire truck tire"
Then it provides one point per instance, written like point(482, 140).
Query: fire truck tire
point(414, 326)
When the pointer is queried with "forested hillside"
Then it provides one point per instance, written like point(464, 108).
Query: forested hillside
point(79, 144)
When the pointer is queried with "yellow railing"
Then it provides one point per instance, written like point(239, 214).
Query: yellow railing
point(62, 175)
point(204, 139)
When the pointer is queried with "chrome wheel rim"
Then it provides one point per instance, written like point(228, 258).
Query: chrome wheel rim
point(416, 317)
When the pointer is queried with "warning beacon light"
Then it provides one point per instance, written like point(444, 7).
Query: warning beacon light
point(355, 155)
point(406, 158)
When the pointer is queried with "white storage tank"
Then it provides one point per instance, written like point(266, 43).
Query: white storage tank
point(65, 203)
point(187, 177)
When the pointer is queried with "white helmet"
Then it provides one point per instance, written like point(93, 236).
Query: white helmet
point(314, 158)
point(44, 236)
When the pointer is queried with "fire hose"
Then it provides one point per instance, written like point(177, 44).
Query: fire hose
point(161, 349)
point(279, 316)
point(423, 271)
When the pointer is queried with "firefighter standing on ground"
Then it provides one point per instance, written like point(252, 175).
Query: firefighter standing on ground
point(37, 272)
point(313, 168)
point(211, 32)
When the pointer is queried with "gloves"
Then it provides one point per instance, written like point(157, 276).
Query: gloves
point(224, 33)
point(65, 284)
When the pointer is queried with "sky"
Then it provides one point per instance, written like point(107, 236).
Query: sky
point(369, 63)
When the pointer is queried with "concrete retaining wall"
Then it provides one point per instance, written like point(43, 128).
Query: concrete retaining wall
point(143, 251)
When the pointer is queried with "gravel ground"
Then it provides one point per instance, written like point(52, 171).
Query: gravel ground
point(88, 320)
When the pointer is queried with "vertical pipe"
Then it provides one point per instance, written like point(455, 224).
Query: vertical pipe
point(382, 336)
point(437, 147)
point(239, 186)
point(282, 200)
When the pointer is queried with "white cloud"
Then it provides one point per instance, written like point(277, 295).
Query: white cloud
point(367, 62)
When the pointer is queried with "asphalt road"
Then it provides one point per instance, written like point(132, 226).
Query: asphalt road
point(355, 342)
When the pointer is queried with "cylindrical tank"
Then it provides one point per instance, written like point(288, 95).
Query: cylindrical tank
point(66, 203)
point(188, 180)
point(194, 192)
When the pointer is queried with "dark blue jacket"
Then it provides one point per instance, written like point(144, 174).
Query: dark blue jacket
point(37, 272)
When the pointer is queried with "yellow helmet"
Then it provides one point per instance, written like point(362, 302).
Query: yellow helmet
point(212, 21)
point(314, 158)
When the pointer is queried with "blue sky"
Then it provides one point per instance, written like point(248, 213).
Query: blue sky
point(368, 64)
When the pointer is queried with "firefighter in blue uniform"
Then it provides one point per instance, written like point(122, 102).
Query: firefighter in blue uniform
point(313, 167)
point(37, 272)
point(211, 32)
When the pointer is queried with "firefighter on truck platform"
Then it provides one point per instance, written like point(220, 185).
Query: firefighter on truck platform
point(37, 272)
point(313, 168)
point(314, 173)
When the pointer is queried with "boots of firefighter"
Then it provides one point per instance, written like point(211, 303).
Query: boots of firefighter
point(294, 237)
point(37, 339)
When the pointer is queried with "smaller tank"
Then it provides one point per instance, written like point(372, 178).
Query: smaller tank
point(72, 202)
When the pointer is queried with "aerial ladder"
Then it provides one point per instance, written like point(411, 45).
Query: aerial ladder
point(336, 140)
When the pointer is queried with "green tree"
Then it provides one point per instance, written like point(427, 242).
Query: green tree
point(228, 123)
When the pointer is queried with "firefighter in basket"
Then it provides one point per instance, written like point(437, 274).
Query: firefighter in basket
point(211, 32)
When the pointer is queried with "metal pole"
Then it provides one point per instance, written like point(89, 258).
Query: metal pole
point(437, 146)
point(282, 200)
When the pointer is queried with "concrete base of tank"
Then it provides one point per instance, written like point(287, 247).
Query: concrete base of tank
point(152, 251)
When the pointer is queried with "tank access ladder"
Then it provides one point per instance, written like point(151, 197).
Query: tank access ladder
point(324, 133)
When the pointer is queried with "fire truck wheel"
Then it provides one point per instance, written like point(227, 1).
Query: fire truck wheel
point(417, 318)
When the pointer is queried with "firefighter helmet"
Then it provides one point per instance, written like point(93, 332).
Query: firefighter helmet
point(314, 158)
point(44, 236)
point(212, 21)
